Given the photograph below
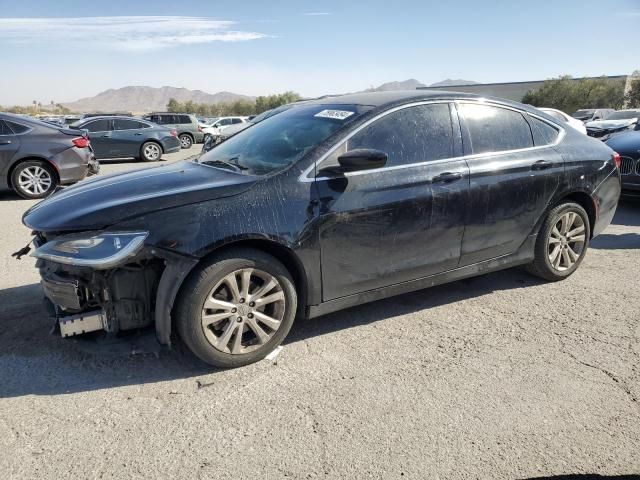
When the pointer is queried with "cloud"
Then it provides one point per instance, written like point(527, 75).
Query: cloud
point(316, 14)
point(139, 33)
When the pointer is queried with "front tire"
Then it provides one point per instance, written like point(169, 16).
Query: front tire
point(150, 152)
point(34, 179)
point(236, 308)
point(562, 242)
point(185, 140)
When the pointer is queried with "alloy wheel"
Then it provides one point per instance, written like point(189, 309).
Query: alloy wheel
point(243, 311)
point(35, 180)
point(185, 141)
point(152, 151)
point(566, 241)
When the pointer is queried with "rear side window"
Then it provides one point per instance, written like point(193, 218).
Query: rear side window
point(495, 129)
point(236, 120)
point(543, 133)
point(166, 119)
point(98, 125)
point(410, 135)
point(120, 124)
point(183, 119)
point(4, 129)
point(17, 127)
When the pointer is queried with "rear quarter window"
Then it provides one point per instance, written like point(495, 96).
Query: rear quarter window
point(184, 119)
point(4, 129)
point(543, 133)
point(17, 128)
point(495, 129)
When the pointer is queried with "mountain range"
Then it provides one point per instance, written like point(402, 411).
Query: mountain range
point(138, 99)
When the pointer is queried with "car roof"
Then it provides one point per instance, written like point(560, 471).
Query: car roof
point(111, 117)
point(381, 100)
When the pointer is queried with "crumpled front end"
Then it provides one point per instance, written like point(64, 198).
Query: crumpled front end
point(113, 288)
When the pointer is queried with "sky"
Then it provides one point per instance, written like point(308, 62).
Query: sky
point(63, 50)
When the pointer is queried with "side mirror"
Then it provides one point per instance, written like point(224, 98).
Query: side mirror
point(208, 143)
point(362, 159)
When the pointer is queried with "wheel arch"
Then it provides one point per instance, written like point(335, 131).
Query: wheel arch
point(151, 140)
point(282, 253)
point(581, 197)
point(31, 158)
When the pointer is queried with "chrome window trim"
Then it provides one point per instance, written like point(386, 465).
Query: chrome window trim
point(305, 178)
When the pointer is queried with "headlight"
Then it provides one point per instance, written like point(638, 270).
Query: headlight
point(101, 251)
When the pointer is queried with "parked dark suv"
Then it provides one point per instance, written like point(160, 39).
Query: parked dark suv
point(329, 204)
point(36, 157)
point(122, 137)
point(187, 126)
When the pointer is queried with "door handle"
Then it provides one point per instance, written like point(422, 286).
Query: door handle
point(541, 165)
point(106, 135)
point(447, 177)
point(139, 133)
point(5, 142)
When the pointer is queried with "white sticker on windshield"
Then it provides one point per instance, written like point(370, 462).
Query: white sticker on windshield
point(337, 114)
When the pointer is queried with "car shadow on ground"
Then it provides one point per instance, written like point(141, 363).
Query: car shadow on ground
point(34, 361)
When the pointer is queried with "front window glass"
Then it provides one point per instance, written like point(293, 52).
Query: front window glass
point(410, 135)
point(98, 126)
point(281, 140)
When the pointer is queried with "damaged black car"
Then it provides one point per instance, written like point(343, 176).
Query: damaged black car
point(329, 204)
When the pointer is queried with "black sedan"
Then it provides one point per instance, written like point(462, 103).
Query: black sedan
point(36, 157)
point(329, 204)
point(628, 146)
point(125, 137)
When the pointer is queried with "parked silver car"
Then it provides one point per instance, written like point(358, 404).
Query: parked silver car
point(187, 126)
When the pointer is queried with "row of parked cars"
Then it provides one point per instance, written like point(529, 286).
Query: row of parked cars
point(38, 155)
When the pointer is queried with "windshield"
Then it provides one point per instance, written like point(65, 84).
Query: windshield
point(581, 114)
point(624, 115)
point(282, 139)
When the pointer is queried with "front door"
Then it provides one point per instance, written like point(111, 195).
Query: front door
point(512, 178)
point(100, 135)
point(400, 222)
point(127, 137)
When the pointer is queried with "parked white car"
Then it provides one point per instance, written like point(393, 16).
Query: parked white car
point(220, 124)
point(563, 117)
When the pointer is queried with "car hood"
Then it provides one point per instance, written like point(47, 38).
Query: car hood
point(104, 201)
point(611, 124)
point(626, 143)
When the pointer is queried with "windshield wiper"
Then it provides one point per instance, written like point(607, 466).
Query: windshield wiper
point(228, 163)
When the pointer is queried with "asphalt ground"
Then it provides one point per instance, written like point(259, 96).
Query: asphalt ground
point(501, 376)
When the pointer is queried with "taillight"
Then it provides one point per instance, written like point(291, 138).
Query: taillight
point(174, 133)
point(617, 160)
point(199, 128)
point(81, 142)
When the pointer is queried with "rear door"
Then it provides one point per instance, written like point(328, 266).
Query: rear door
point(9, 145)
point(127, 137)
point(400, 222)
point(512, 179)
point(100, 132)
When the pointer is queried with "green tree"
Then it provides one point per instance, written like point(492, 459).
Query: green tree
point(569, 95)
point(174, 106)
point(632, 97)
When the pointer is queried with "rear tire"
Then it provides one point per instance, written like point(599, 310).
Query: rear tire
point(561, 243)
point(150, 152)
point(236, 308)
point(34, 179)
point(185, 140)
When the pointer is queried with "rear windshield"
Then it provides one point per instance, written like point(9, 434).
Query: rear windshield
point(624, 114)
point(282, 139)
